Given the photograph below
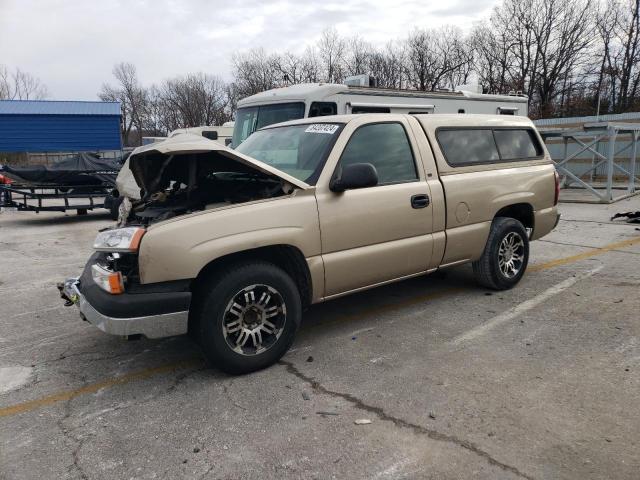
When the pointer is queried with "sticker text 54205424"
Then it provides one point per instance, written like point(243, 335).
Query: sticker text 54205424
point(322, 128)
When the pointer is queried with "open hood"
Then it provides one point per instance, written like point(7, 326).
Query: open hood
point(195, 144)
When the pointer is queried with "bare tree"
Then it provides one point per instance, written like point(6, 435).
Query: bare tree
point(132, 96)
point(311, 67)
point(5, 89)
point(357, 56)
point(540, 48)
point(20, 85)
point(493, 59)
point(564, 34)
point(255, 71)
point(331, 49)
point(543, 48)
point(438, 58)
point(619, 31)
point(388, 65)
point(192, 100)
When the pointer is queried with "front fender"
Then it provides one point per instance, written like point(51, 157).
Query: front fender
point(179, 249)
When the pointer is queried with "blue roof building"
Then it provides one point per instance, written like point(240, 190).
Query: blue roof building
point(59, 126)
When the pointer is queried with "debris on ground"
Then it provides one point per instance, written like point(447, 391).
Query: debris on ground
point(306, 396)
point(327, 413)
point(309, 359)
point(362, 421)
point(632, 217)
point(432, 415)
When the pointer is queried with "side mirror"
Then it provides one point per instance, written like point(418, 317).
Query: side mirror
point(227, 142)
point(356, 175)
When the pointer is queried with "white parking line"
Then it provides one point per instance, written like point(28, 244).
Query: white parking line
point(521, 308)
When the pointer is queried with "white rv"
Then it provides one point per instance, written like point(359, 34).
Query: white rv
point(319, 99)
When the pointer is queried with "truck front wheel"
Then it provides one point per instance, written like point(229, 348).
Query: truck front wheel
point(505, 255)
point(248, 316)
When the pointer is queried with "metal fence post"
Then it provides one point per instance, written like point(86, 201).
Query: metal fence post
point(611, 150)
point(565, 179)
point(632, 166)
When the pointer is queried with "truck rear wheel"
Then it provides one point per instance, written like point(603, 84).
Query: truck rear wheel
point(505, 255)
point(248, 316)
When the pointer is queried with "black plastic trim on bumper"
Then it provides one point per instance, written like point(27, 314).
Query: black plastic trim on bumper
point(159, 300)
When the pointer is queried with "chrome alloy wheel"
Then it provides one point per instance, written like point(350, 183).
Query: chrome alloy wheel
point(254, 319)
point(511, 254)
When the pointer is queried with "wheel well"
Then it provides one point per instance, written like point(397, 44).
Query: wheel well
point(523, 212)
point(287, 257)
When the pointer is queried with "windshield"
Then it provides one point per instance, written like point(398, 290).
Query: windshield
point(299, 150)
point(250, 119)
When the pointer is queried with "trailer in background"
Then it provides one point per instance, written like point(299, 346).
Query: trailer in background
point(54, 198)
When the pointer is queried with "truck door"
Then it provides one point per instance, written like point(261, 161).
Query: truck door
point(375, 234)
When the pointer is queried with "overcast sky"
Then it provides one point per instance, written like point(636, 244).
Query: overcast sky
point(72, 45)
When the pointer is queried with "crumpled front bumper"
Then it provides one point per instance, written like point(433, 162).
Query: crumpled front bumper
point(157, 325)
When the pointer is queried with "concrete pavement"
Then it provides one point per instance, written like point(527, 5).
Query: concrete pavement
point(459, 382)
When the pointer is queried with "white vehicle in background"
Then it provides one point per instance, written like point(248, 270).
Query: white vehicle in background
point(126, 185)
point(356, 96)
point(150, 140)
point(221, 134)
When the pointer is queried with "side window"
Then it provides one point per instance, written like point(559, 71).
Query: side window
point(322, 109)
point(464, 147)
point(370, 110)
point(517, 144)
point(386, 147)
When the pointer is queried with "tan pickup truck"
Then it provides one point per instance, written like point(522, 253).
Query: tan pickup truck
point(233, 245)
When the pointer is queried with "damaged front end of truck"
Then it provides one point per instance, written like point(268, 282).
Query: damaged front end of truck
point(185, 175)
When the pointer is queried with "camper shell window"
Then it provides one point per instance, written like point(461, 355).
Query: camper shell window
point(472, 146)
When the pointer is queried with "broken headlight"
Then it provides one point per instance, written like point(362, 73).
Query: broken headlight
point(119, 240)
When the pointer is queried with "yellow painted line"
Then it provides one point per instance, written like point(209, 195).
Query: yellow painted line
point(150, 372)
point(92, 388)
point(581, 256)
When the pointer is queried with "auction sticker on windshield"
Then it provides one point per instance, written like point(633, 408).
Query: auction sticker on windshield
point(322, 128)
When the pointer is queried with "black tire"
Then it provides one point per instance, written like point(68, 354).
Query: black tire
point(488, 270)
point(211, 313)
point(114, 208)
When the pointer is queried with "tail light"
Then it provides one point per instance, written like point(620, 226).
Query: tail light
point(557, 196)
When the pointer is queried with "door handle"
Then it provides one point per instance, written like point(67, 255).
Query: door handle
point(420, 201)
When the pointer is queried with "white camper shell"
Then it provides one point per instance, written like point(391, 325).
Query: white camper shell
point(321, 99)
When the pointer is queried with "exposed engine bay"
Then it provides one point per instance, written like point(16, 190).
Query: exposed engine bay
point(179, 184)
